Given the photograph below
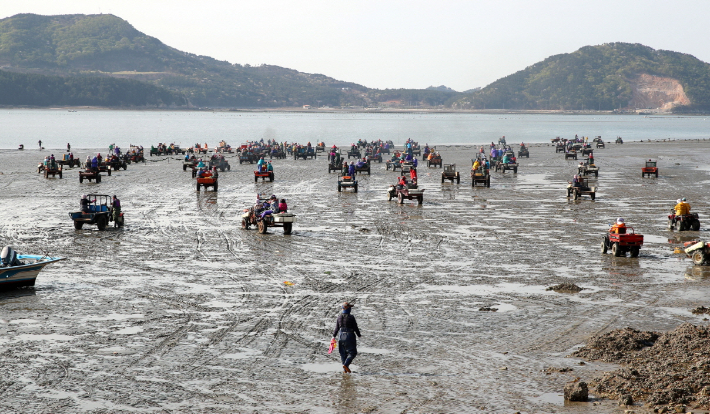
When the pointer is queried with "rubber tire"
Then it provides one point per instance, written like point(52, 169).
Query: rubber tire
point(634, 252)
point(442, 178)
point(356, 188)
point(656, 174)
point(458, 179)
point(271, 177)
point(78, 225)
point(596, 173)
point(109, 171)
point(262, 227)
point(420, 199)
point(81, 179)
point(400, 198)
point(101, 223)
point(184, 167)
point(287, 228)
point(60, 177)
point(389, 196)
point(695, 225)
point(198, 187)
point(46, 173)
point(593, 196)
point(698, 257)
point(616, 250)
point(245, 224)
point(575, 195)
point(214, 187)
point(670, 224)
point(488, 182)
point(98, 178)
point(515, 170)
point(604, 248)
point(256, 178)
point(339, 188)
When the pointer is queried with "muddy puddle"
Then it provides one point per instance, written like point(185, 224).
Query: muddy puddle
point(183, 311)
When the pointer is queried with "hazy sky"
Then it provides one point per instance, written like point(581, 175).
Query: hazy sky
point(400, 44)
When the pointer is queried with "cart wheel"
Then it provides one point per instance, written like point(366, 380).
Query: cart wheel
point(656, 174)
point(634, 252)
point(356, 188)
point(458, 178)
point(81, 178)
point(214, 187)
point(400, 198)
point(699, 257)
point(593, 195)
point(596, 173)
point(60, 174)
point(670, 224)
point(695, 225)
point(389, 196)
point(184, 167)
point(271, 177)
point(442, 178)
point(420, 199)
point(604, 245)
point(101, 223)
point(98, 178)
point(109, 171)
point(515, 170)
point(616, 250)
point(245, 224)
point(576, 195)
point(229, 168)
point(262, 226)
point(78, 225)
point(287, 228)
point(198, 186)
point(256, 178)
point(339, 188)
point(488, 182)
point(46, 174)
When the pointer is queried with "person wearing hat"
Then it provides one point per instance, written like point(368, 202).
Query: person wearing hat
point(345, 331)
point(115, 208)
point(84, 204)
point(682, 208)
point(619, 227)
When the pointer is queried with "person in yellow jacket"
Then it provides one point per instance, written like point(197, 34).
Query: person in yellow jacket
point(682, 208)
point(476, 164)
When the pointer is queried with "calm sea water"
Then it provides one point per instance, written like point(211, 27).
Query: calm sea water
point(99, 128)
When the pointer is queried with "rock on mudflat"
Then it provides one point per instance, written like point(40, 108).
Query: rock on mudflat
point(576, 391)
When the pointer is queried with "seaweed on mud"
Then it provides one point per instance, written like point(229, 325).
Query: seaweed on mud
point(665, 370)
point(565, 288)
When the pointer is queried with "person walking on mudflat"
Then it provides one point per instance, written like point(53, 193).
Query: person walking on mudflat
point(345, 331)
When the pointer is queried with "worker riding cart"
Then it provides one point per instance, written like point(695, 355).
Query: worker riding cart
point(622, 239)
point(682, 218)
point(99, 209)
point(207, 178)
point(265, 170)
point(405, 190)
point(347, 181)
point(269, 213)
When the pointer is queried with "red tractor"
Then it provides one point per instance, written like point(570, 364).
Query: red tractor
point(623, 242)
point(649, 169)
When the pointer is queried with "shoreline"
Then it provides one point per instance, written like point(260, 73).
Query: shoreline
point(368, 111)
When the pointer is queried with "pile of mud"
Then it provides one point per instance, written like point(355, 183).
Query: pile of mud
point(700, 310)
point(667, 370)
point(566, 288)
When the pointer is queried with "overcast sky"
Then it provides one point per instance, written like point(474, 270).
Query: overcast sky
point(400, 44)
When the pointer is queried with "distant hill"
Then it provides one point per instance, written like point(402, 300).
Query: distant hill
point(606, 77)
point(105, 45)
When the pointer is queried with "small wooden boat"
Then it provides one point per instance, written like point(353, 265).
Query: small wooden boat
point(21, 269)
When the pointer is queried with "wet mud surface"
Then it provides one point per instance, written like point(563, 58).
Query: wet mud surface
point(183, 311)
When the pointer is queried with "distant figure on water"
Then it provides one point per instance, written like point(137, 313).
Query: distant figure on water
point(40, 144)
point(345, 331)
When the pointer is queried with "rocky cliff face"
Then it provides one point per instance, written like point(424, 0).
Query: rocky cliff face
point(653, 92)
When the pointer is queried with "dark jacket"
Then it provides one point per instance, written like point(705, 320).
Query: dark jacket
point(346, 320)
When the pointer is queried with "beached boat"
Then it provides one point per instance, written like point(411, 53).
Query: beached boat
point(21, 269)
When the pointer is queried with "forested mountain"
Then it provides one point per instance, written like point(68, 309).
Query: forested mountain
point(89, 50)
point(105, 45)
point(606, 77)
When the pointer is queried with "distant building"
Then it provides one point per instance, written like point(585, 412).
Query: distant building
point(306, 107)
